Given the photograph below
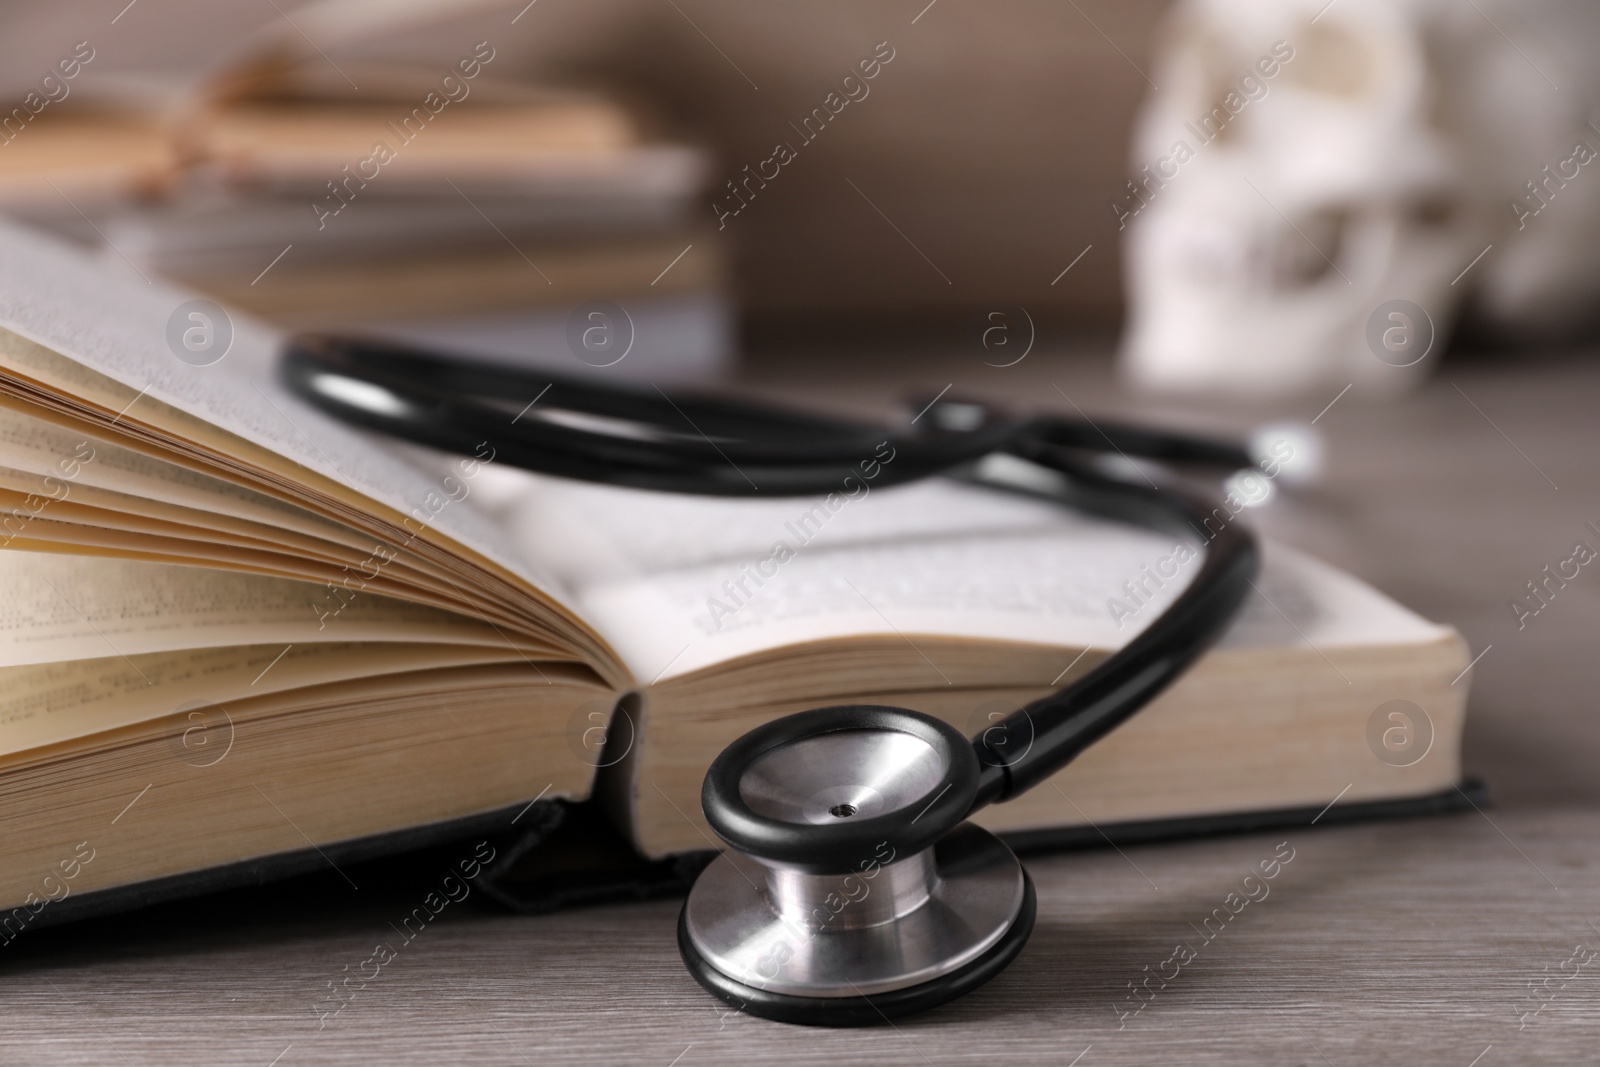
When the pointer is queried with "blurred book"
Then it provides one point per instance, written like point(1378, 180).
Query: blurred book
point(470, 214)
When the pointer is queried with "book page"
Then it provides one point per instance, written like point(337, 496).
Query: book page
point(61, 608)
point(60, 703)
point(96, 330)
point(68, 462)
point(683, 583)
point(80, 492)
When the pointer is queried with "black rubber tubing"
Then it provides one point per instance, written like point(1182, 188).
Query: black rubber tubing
point(712, 446)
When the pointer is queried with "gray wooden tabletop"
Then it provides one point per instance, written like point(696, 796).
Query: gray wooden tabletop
point(1455, 941)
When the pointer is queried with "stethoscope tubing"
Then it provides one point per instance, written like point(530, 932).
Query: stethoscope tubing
point(717, 447)
point(1056, 728)
point(699, 445)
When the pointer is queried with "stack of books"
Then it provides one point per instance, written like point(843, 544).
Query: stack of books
point(549, 227)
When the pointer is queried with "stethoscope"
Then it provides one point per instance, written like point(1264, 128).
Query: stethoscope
point(854, 888)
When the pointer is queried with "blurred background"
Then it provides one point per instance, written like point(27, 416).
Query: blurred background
point(1244, 197)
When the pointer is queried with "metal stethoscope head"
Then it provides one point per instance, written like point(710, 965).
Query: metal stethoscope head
point(854, 888)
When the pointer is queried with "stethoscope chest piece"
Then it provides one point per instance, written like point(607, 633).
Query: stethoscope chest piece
point(853, 892)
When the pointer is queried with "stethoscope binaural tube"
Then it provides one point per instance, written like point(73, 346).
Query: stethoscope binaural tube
point(854, 889)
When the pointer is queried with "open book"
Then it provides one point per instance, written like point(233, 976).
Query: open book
point(238, 629)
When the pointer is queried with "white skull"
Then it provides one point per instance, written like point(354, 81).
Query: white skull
point(1310, 173)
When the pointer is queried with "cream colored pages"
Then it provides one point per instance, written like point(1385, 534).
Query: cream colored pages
point(85, 701)
point(59, 608)
point(110, 321)
point(682, 583)
point(66, 463)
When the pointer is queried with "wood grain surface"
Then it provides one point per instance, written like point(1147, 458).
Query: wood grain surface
point(1409, 942)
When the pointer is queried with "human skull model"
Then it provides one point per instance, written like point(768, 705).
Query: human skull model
point(1318, 185)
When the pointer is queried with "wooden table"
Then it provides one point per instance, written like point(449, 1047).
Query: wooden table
point(1405, 942)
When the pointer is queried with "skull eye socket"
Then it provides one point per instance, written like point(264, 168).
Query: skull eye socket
point(1307, 252)
point(1431, 212)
